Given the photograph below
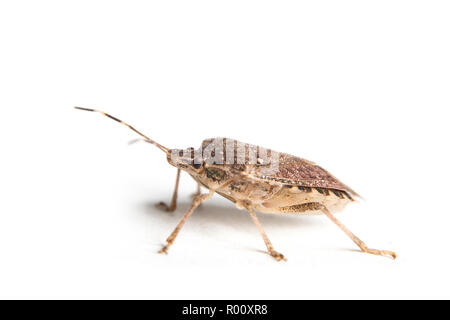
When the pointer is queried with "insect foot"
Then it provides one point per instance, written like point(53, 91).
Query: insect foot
point(164, 249)
point(163, 206)
point(278, 256)
point(384, 253)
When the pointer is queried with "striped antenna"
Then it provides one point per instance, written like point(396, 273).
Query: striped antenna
point(147, 139)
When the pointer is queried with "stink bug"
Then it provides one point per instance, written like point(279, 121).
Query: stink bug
point(256, 178)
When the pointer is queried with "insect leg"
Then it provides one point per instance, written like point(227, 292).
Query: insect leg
point(173, 202)
point(199, 191)
point(313, 206)
point(355, 239)
point(197, 201)
point(278, 256)
point(196, 193)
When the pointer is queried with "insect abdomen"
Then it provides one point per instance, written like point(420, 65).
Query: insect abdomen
point(291, 196)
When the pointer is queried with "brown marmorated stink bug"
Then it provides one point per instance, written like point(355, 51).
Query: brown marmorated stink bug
point(256, 178)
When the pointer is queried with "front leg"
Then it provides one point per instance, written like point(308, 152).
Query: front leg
point(197, 201)
point(173, 202)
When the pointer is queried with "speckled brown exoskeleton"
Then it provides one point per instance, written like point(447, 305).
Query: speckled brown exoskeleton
point(256, 178)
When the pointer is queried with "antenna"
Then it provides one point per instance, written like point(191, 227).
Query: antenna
point(164, 149)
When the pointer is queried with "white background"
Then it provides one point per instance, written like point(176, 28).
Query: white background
point(360, 87)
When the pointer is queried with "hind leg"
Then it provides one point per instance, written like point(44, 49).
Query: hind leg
point(315, 206)
point(356, 240)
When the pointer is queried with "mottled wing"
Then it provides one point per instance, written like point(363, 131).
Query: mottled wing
point(292, 169)
point(288, 169)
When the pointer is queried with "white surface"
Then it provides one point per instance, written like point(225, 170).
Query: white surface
point(360, 87)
